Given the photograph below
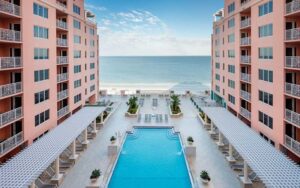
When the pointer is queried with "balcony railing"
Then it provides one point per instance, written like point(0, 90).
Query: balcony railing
point(292, 34)
point(293, 6)
point(245, 113)
point(10, 89)
point(63, 111)
point(292, 144)
point(10, 62)
point(245, 77)
point(61, 24)
point(245, 41)
point(246, 23)
point(246, 59)
point(243, 3)
point(11, 142)
point(10, 35)
point(10, 8)
point(62, 42)
point(10, 116)
point(245, 95)
point(62, 94)
point(292, 116)
point(62, 77)
point(292, 89)
point(61, 60)
point(292, 61)
point(61, 4)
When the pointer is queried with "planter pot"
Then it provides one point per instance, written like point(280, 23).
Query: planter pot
point(204, 181)
point(94, 180)
point(113, 142)
point(175, 115)
point(190, 143)
point(127, 114)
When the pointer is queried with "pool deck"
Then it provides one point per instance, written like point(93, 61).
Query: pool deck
point(208, 157)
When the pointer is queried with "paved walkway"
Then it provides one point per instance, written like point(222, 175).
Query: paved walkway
point(208, 156)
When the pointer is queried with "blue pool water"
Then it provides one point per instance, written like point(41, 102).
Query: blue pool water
point(151, 158)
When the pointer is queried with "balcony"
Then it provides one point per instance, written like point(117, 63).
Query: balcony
point(245, 23)
point(62, 95)
point(292, 117)
point(61, 5)
point(245, 113)
point(10, 89)
point(244, 2)
point(11, 142)
point(246, 77)
point(62, 42)
point(62, 25)
point(292, 7)
point(62, 60)
point(62, 77)
point(292, 34)
point(246, 59)
point(10, 8)
point(292, 89)
point(10, 116)
point(63, 111)
point(10, 62)
point(10, 35)
point(246, 41)
point(292, 62)
point(246, 95)
point(294, 145)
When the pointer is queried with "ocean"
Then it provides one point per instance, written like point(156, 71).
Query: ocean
point(178, 73)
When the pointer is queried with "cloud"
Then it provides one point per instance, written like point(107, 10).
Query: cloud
point(94, 7)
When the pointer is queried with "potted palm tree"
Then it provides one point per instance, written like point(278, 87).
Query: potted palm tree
point(190, 140)
point(204, 177)
point(113, 139)
point(95, 175)
point(132, 105)
point(174, 105)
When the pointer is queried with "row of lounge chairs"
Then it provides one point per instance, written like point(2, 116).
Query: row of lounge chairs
point(159, 118)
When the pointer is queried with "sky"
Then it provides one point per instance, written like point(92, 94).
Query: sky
point(154, 27)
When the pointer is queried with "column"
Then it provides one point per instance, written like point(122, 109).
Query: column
point(245, 179)
point(74, 156)
point(230, 158)
point(205, 118)
point(85, 142)
point(57, 177)
point(212, 131)
point(95, 128)
point(101, 117)
point(220, 143)
point(32, 185)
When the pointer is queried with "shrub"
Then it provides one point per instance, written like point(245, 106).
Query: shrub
point(112, 138)
point(95, 174)
point(204, 175)
point(190, 139)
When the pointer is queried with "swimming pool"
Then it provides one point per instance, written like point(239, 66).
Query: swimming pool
point(151, 158)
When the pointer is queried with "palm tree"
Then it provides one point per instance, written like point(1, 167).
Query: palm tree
point(175, 102)
point(132, 103)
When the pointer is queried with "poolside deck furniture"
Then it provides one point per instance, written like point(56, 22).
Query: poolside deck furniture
point(40, 184)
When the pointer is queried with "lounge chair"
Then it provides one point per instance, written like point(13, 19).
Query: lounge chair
point(252, 176)
point(40, 184)
point(237, 166)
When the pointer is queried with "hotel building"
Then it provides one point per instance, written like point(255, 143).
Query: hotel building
point(256, 68)
point(48, 67)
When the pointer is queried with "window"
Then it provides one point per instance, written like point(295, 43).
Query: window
point(92, 31)
point(266, 30)
point(265, 75)
point(265, 97)
point(92, 54)
point(76, 24)
point(77, 83)
point(41, 53)
point(77, 39)
point(92, 43)
point(92, 88)
point(231, 53)
point(217, 76)
point(231, 38)
point(265, 119)
point(41, 75)
point(92, 65)
point(231, 84)
point(231, 68)
point(231, 99)
point(231, 23)
point(266, 8)
point(217, 54)
point(267, 139)
point(41, 96)
point(92, 77)
point(77, 98)
point(231, 8)
point(42, 117)
point(76, 9)
point(40, 10)
point(77, 54)
point(40, 32)
point(217, 30)
point(265, 53)
point(77, 69)
point(217, 88)
point(217, 65)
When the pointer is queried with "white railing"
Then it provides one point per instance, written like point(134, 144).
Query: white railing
point(10, 62)
point(63, 111)
point(292, 61)
point(10, 35)
point(62, 94)
point(245, 77)
point(10, 89)
point(245, 95)
point(292, 89)
point(10, 8)
point(10, 116)
point(245, 41)
point(11, 142)
point(292, 34)
point(246, 59)
point(292, 116)
point(292, 144)
point(62, 42)
point(245, 113)
point(62, 60)
point(62, 77)
point(293, 6)
point(61, 24)
point(246, 23)
point(243, 3)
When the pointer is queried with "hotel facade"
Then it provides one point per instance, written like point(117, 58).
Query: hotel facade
point(48, 67)
point(256, 68)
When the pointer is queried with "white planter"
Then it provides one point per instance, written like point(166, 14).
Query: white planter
point(204, 181)
point(175, 115)
point(127, 114)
